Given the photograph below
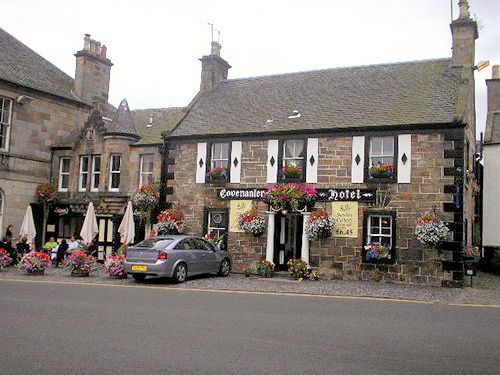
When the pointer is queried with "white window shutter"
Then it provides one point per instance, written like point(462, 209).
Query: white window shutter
point(358, 160)
point(312, 161)
point(201, 163)
point(404, 158)
point(235, 162)
point(272, 161)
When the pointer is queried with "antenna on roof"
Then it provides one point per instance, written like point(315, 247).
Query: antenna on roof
point(211, 31)
point(218, 36)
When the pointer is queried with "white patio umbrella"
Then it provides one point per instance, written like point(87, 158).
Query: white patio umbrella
point(28, 226)
point(127, 226)
point(89, 228)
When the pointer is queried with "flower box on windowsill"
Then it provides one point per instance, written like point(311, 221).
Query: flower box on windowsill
point(292, 178)
point(217, 176)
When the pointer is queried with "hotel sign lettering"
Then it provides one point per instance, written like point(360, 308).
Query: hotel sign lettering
point(324, 195)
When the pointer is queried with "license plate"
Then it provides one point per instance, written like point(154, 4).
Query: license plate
point(139, 268)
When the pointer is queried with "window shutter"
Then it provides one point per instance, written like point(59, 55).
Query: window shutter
point(358, 160)
point(404, 159)
point(312, 161)
point(272, 161)
point(201, 163)
point(235, 162)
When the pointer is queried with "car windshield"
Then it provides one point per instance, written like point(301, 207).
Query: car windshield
point(155, 243)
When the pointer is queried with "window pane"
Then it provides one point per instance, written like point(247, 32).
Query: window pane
point(85, 164)
point(376, 146)
point(96, 181)
point(147, 163)
point(84, 181)
point(115, 180)
point(386, 221)
point(115, 162)
point(374, 222)
point(299, 148)
point(388, 146)
point(386, 241)
point(64, 181)
point(216, 219)
point(65, 165)
point(97, 164)
point(288, 149)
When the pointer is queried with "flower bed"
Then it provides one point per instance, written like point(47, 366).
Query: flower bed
point(291, 196)
point(320, 226)
point(171, 222)
point(80, 263)
point(376, 251)
point(35, 262)
point(145, 200)
point(217, 174)
point(114, 265)
point(382, 171)
point(263, 268)
point(252, 223)
point(431, 230)
point(5, 260)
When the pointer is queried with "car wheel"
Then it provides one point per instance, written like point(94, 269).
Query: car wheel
point(225, 267)
point(180, 273)
point(139, 277)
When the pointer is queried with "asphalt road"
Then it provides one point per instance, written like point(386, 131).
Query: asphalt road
point(91, 329)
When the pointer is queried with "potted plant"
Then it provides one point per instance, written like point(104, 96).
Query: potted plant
point(252, 222)
point(5, 260)
point(80, 264)
point(114, 266)
point(291, 196)
point(248, 270)
point(320, 226)
point(265, 268)
point(35, 262)
point(376, 251)
point(431, 230)
point(298, 269)
point(144, 201)
point(171, 222)
point(292, 171)
point(217, 174)
point(382, 170)
point(216, 240)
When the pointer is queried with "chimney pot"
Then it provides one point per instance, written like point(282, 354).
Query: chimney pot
point(216, 48)
point(495, 72)
point(86, 42)
point(464, 9)
point(97, 48)
point(104, 49)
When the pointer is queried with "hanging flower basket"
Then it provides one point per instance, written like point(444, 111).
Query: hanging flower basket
point(80, 264)
point(376, 251)
point(382, 171)
point(252, 222)
point(46, 194)
point(291, 197)
point(5, 260)
point(320, 226)
point(114, 266)
point(144, 201)
point(431, 230)
point(171, 222)
point(35, 262)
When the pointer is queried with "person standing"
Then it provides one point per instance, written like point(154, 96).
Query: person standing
point(8, 233)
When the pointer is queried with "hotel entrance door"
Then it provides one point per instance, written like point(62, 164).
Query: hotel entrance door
point(287, 239)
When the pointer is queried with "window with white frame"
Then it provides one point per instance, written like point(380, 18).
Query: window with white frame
point(217, 220)
point(115, 165)
point(64, 167)
point(96, 173)
point(381, 151)
point(146, 172)
point(220, 155)
point(5, 121)
point(380, 230)
point(84, 173)
point(293, 159)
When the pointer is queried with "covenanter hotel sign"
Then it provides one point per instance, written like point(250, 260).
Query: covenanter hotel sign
point(324, 195)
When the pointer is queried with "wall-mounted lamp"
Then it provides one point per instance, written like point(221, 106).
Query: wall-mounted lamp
point(481, 65)
point(24, 99)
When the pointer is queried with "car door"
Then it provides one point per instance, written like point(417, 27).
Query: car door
point(210, 262)
point(190, 255)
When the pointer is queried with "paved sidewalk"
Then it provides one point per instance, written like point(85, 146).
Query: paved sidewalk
point(280, 285)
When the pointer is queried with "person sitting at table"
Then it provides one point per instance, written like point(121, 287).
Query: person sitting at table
point(50, 246)
point(62, 251)
point(73, 244)
point(22, 246)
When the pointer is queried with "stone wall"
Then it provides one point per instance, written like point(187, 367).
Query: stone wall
point(339, 257)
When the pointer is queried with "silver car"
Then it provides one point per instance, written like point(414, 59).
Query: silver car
point(176, 257)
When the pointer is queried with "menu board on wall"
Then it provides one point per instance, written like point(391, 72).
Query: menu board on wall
point(236, 208)
point(346, 219)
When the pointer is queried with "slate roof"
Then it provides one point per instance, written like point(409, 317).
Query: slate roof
point(164, 119)
point(407, 93)
point(23, 66)
point(122, 121)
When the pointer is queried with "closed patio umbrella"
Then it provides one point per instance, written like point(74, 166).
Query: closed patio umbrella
point(28, 226)
point(89, 228)
point(127, 226)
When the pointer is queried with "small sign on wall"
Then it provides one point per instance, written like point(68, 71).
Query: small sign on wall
point(346, 219)
point(236, 209)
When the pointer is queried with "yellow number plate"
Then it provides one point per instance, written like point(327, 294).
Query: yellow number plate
point(139, 268)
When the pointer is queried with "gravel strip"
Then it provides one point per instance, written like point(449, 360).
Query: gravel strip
point(282, 285)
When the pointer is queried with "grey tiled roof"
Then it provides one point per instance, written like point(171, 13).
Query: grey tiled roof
point(122, 121)
point(23, 66)
point(164, 119)
point(407, 93)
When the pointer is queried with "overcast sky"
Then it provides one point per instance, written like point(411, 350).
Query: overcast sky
point(155, 45)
